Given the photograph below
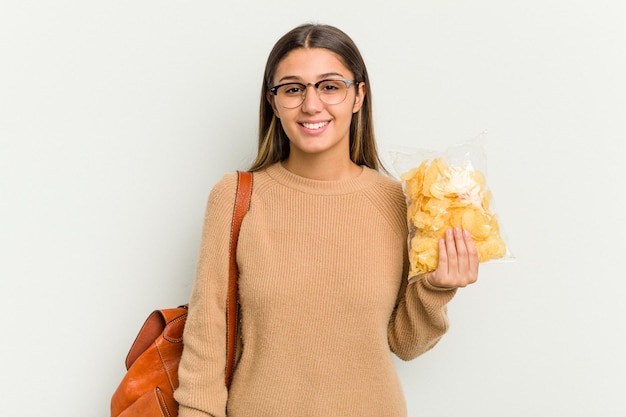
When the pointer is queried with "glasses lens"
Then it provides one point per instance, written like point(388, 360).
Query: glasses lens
point(332, 91)
point(290, 95)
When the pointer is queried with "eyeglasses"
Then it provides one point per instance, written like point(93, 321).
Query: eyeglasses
point(292, 95)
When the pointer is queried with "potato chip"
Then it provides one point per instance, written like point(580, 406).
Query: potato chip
point(436, 206)
point(424, 252)
point(455, 218)
point(492, 248)
point(422, 220)
point(476, 223)
point(441, 197)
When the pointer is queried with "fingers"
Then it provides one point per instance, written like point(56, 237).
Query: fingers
point(466, 270)
point(458, 261)
point(452, 251)
point(472, 257)
point(443, 256)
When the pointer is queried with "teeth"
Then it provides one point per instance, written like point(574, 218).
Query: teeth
point(314, 125)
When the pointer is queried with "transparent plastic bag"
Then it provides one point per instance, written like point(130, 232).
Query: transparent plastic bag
point(445, 190)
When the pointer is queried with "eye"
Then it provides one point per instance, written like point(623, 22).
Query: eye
point(292, 89)
point(331, 86)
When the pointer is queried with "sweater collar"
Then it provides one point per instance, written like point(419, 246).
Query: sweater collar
point(310, 186)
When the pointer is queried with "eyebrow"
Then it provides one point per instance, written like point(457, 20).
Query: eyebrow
point(321, 76)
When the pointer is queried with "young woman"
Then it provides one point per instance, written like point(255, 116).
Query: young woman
point(323, 284)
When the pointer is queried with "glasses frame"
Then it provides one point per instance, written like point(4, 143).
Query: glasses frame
point(348, 83)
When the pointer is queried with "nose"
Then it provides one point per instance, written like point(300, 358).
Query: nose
point(311, 102)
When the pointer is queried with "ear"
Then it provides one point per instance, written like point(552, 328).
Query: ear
point(360, 96)
point(270, 99)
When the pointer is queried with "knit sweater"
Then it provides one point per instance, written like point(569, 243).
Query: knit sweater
point(324, 297)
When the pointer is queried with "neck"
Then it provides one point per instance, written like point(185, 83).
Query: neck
point(323, 169)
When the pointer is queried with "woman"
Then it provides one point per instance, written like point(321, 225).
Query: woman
point(322, 254)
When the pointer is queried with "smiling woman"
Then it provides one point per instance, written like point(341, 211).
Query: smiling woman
point(316, 125)
point(320, 294)
point(340, 59)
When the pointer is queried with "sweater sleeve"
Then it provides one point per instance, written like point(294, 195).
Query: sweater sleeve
point(202, 391)
point(420, 318)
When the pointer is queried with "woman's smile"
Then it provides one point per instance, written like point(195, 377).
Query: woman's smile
point(315, 127)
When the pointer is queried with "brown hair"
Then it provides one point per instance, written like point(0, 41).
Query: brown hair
point(273, 141)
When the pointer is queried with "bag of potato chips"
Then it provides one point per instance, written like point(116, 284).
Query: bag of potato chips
point(446, 190)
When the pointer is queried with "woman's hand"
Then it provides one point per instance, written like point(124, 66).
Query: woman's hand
point(458, 261)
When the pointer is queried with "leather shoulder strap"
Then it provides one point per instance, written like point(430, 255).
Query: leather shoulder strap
point(242, 204)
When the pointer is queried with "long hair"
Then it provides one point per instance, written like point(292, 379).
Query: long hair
point(273, 141)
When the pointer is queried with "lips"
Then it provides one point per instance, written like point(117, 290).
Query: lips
point(314, 125)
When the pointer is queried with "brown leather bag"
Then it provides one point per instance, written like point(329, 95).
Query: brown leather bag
point(147, 389)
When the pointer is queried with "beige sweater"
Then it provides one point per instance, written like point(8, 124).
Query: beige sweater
point(324, 300)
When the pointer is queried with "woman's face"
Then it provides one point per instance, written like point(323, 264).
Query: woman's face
point(314, 127)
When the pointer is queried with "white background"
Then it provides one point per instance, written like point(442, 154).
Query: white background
point(117, 117)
